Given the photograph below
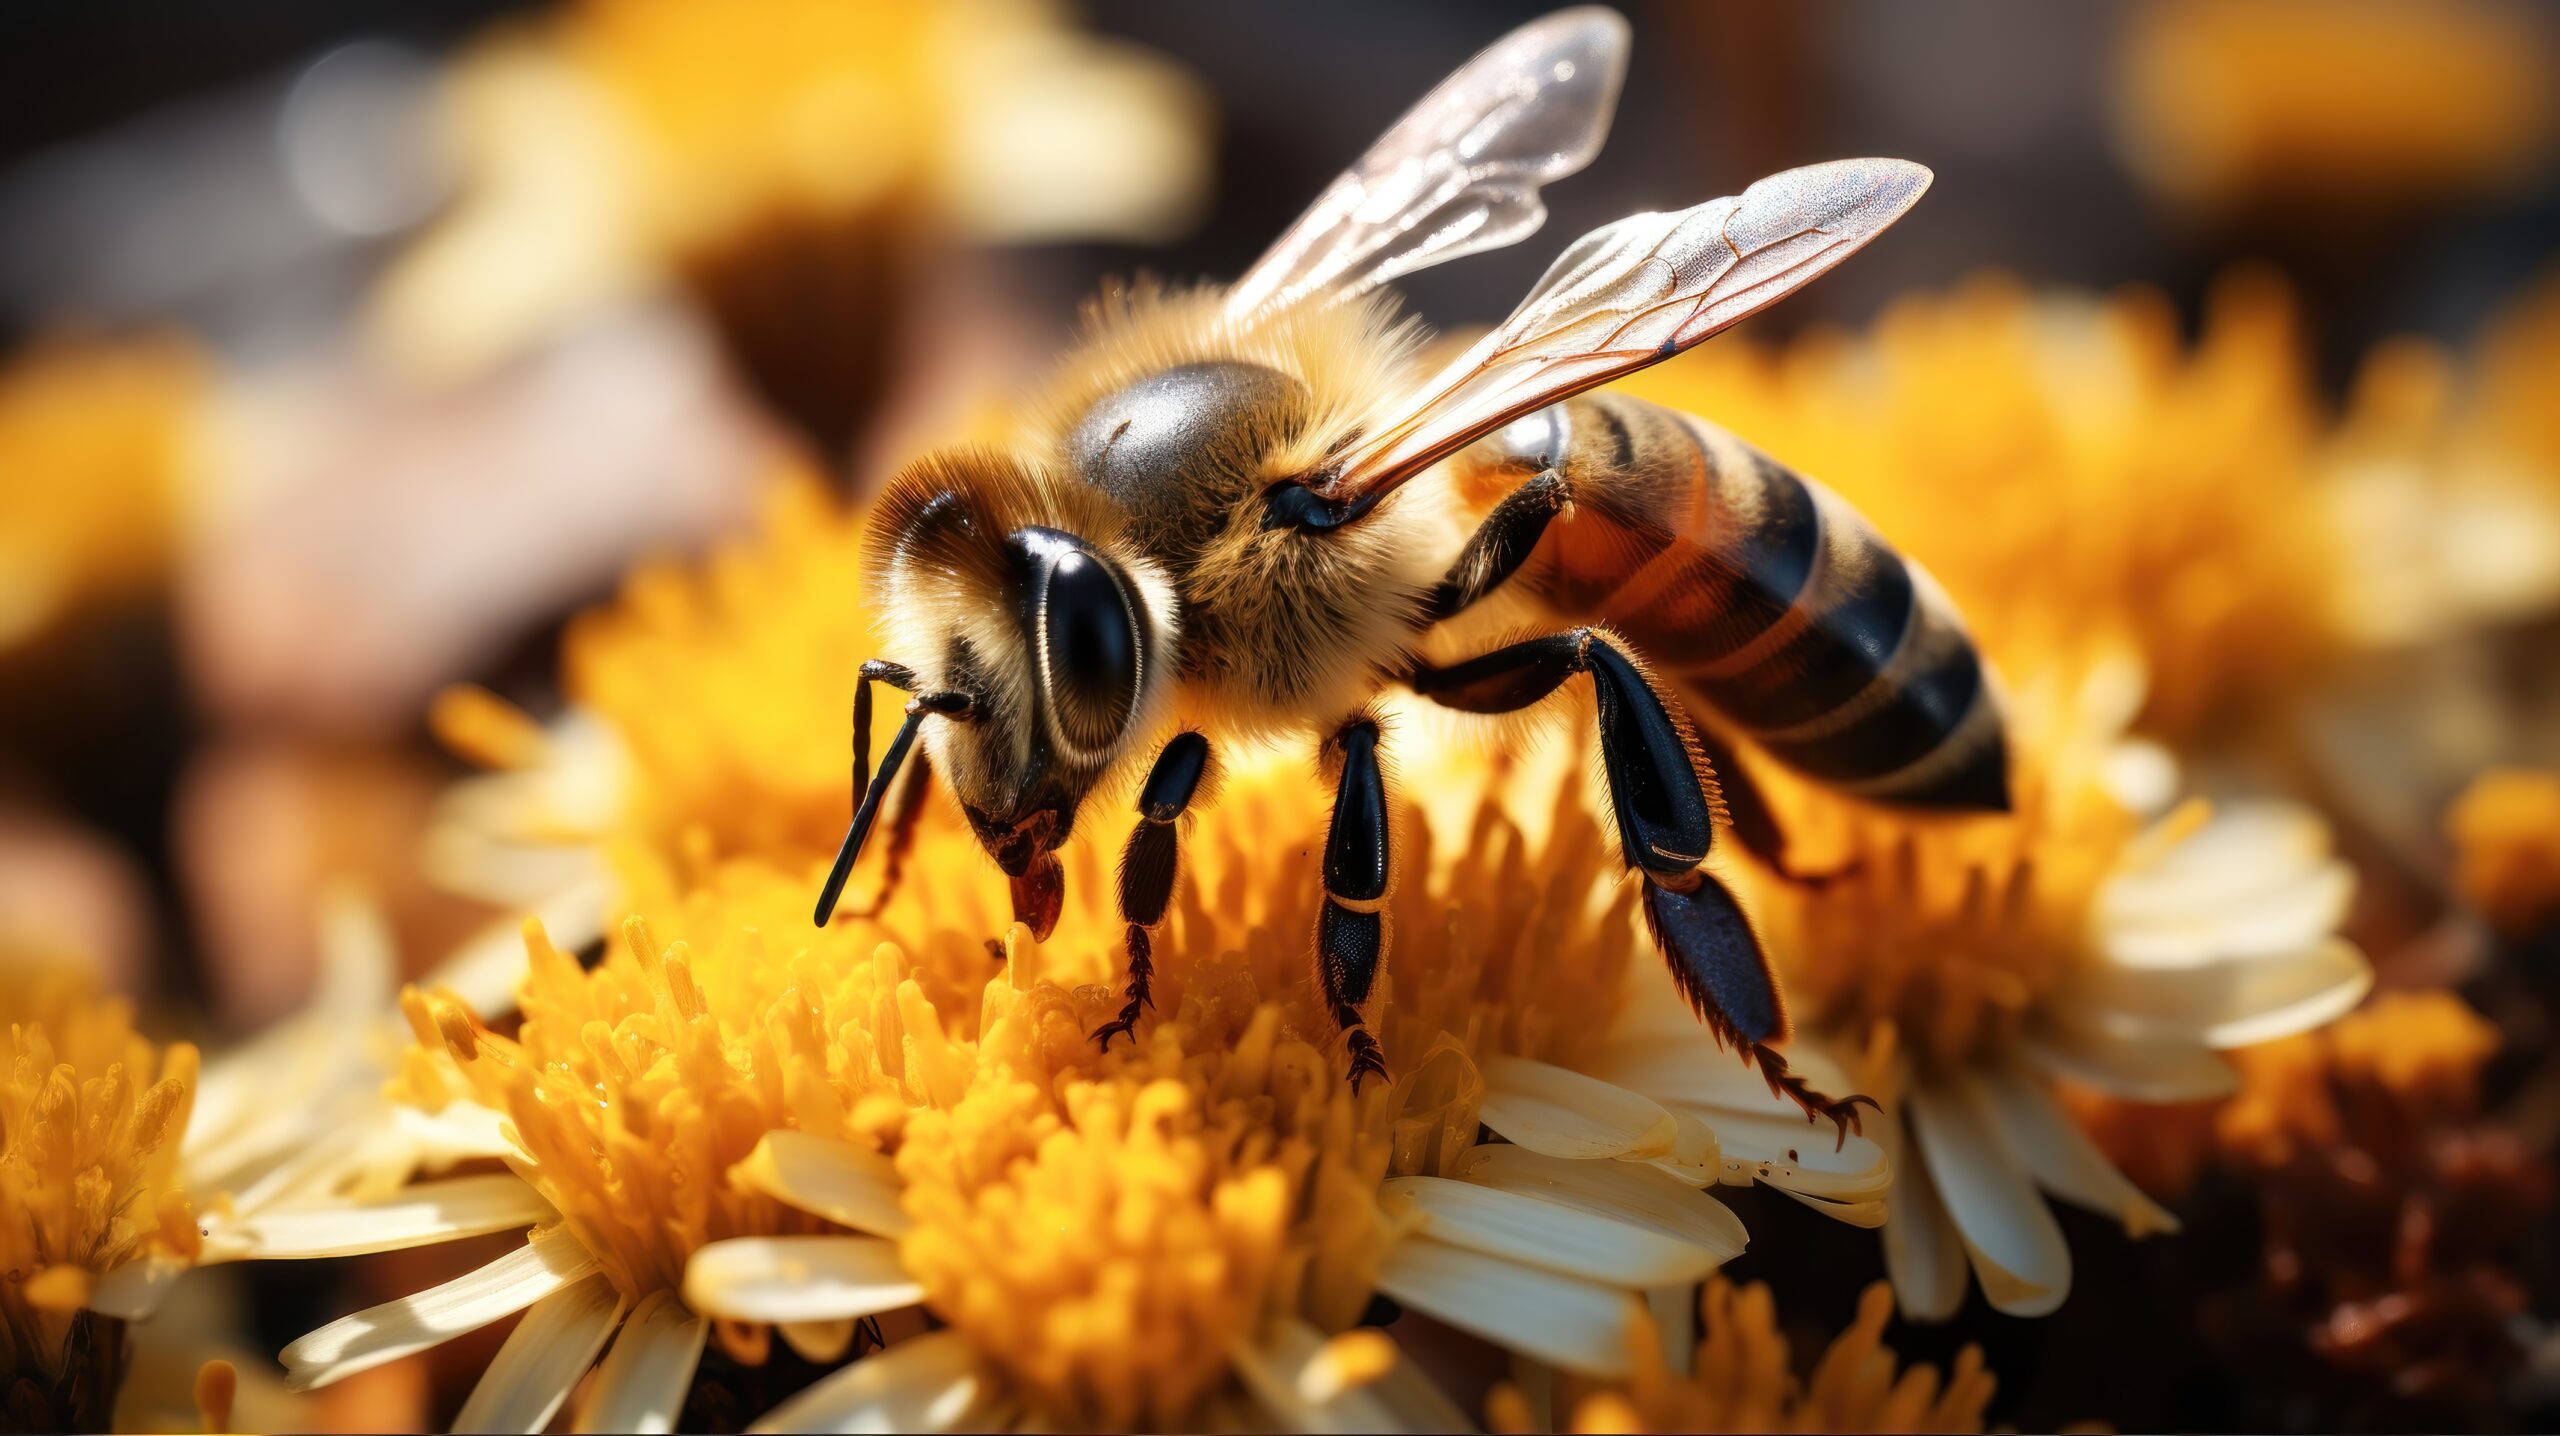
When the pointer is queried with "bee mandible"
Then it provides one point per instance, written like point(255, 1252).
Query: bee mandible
point(1241, 515)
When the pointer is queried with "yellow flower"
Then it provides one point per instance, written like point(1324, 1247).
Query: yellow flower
point(1177, 1232)
point(95, 439)
point(2068, 470)
point(2449, 517)
point(91, 1121)
point(2506, 848)
point(2229, 104)
point(619, 142)
point(1977, 959)
point(1738, 1378)
point(2422, 1051)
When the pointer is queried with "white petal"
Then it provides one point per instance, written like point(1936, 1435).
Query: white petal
point(543, 1360)
point(1869, 1214)
point(925, 1383)
point(549, 1261)
point(2017, 1247)
point(1690, 1068)
point(1795, 1155)
point(1622, 1191)
point(646, 1376)
point(1922, 1253)
point(2297, 913)
point(836, 1180)
point(2061, 1157)
point(2136, 1069)
point(418, 1215)
point(460, 1131)
point(1696, 1158)
point(133, 1291)
point(2244, 849)
point(1572, 1240)
point(798, 1279)
point(1579, 1325)
point(1566, 1114)
point(2232, 1004)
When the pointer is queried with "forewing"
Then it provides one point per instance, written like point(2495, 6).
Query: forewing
point(1635, 293)
point(1460, 172)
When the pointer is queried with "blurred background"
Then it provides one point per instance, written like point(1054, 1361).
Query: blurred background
point(347, 350)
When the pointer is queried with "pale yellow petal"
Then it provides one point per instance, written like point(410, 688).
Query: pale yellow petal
point(2136, 1069)
point(642, 1385)
point(543, 1359)
point(925, 1383)
point(1570, 1239)
point(1923, 1255)
point(2017, 1248)
point(1795, 1155)
point(2231, 1004)
point(820, 1278)
point(1567, 1114)
point(1621, 1191)
point(2061, 1157)
point(836, 1180)
point(1578, 1325)
point(418, 1215)
point(549, 1261)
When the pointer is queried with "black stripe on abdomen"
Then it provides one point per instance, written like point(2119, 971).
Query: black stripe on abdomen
point(1865, 608)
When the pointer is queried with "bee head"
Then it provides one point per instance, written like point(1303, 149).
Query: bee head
point(1023, 594)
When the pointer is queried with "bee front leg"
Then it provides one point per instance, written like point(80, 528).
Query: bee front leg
point(1351, 931)
point(1500, 544)
point(1665, 827)
point(1149, 866)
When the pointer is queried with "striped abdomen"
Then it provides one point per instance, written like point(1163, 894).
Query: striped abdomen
point(1765, 597)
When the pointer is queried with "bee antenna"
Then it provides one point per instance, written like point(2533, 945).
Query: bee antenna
point(874, 787)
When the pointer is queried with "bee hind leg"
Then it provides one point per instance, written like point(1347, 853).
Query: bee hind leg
point(1665, 828)
point(1149, 866)
point(1352, 929)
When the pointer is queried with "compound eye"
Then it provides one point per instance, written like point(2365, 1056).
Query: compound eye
point(1089, 650)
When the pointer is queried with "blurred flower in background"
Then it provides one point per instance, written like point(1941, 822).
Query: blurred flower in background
point(2362, 105)
point(792, 166)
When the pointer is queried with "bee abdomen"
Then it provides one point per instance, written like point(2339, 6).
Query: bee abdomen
point(1775, 605)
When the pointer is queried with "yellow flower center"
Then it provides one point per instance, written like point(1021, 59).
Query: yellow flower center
point(1106, 1228)
point(91, 1118)
point(1744, 1382)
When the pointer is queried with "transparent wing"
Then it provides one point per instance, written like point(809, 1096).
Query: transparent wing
point(1635, 293)
point(1460, 172)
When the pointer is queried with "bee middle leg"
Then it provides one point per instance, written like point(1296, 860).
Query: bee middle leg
point(1149, 866)
point(1665, 828)
point(1351, 929)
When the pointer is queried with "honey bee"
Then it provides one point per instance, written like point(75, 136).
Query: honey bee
point(1240, 515)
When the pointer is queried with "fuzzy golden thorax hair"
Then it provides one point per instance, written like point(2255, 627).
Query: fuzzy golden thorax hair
point(1283, 629)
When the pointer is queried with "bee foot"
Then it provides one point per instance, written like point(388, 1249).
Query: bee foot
point(1368, 1059)
point(1841, 1112)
